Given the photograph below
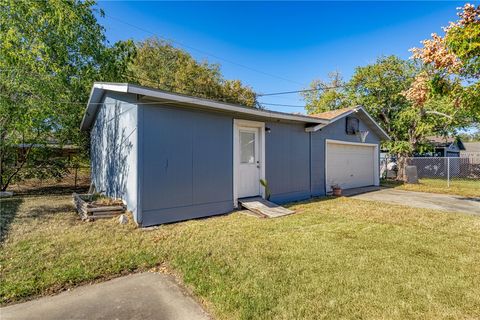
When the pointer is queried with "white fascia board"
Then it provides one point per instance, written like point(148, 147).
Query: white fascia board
point(360, 108)
point(91, 109)
point(315, 128)
point(117, 87)
point(96, 94)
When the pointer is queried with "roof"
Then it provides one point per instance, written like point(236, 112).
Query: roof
point(332, 114)
point(472, 146)
point(442, 141)
point(181, 100)
point(147, 95)
point(359, 112)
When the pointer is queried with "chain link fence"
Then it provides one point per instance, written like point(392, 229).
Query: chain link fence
point(72, 179)
point(447, 169)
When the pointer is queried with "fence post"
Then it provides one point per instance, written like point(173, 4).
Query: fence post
point(448, 172)
point(76, 173)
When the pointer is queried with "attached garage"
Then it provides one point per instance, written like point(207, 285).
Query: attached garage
point(351, 164)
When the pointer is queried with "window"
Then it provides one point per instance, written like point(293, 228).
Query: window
point(247, 147)
point(353, 125)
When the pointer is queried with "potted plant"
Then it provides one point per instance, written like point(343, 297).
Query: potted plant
point(264, 184)
point(337, 191)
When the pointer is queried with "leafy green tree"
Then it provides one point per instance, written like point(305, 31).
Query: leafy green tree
point(379, 88)
point(472, 136)
point(159, 64)
point(50, 53)
point(463, 40)
point(326, 95)
point(456, 55)
point(405, 99)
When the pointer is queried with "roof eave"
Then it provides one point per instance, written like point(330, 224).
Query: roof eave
point(99, 88)
point(383, 135)
point(96, 95)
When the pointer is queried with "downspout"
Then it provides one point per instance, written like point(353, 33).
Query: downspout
point(140, 166)
point(310, 162)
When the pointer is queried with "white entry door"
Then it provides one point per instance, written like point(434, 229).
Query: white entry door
point(248, 162)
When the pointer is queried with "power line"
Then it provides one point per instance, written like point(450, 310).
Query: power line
point(149, 103)
point(158, 84)
point(298, 91)
point(162, 83)
point(104, 103)
point(202, 51)
point(282, 105)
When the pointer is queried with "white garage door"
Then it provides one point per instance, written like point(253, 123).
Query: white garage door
point(351, 165)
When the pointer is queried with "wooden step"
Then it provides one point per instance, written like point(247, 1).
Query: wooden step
point(264, 208)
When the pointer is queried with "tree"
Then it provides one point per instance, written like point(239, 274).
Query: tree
point(456, 55)
point(379, 88)
point(400, 96)
point(472, 136)
point(50, 53)
point(159, 64)
point(325, 96)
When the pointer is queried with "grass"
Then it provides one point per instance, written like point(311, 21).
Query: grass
point(334, 258)
point(461, 187)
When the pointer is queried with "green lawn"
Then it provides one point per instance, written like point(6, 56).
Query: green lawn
point(336, 258)
point(461, 187)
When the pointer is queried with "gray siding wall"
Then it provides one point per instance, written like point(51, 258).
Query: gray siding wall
point(287, 157)
point(114, 149)
point(334, 131)
point(186, 164)
point(170, 164)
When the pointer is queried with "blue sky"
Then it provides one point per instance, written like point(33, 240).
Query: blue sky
point(294, 42)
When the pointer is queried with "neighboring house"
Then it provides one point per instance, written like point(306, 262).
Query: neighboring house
point(173, 157)
point(472, 149)
point(445, 146)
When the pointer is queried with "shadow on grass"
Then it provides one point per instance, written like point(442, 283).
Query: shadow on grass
point(309, 201)
point(388, 183)
point(52, 190)
point(46, 211)
point(8, 210)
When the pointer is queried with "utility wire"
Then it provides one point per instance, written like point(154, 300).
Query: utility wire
point(298, 91)
point(202, 51)
point(282, 105)
point(161, 85)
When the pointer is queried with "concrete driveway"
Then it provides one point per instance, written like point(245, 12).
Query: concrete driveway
point(138, 296)
point(423, 200)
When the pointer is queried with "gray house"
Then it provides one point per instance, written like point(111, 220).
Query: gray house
point(172, 157)
point(445, 146)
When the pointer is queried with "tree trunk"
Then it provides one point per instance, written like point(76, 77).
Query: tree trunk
point(401, 164)
point(2, 159)
point(25, 158)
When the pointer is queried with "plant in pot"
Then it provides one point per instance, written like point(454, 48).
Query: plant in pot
point(336, 190)
point(264, 184)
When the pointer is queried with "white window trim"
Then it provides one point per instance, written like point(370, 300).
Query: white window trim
point(237, 123)
point(376, 165)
